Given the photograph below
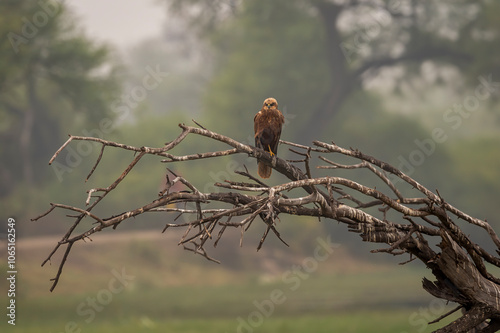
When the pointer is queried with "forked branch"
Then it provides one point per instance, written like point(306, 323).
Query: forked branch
point(458, 264)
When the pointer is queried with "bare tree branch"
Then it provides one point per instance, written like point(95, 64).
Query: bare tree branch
point(457, 263)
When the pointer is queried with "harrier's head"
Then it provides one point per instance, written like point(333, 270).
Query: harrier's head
point(270, 104)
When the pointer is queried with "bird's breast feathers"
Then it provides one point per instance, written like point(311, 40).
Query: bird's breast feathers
point(269, 116)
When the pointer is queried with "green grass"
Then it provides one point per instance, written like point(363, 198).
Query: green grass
point(323, 303)
point(318, 294)
point(368, 321)
point(180, 292)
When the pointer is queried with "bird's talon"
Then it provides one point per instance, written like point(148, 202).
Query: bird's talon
point(270, 151)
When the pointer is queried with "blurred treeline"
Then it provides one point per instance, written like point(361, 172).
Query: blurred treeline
point(412, 83)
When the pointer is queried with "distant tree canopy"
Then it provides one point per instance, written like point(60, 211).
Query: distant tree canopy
point(220, 59)
point(325, 61)
point(314, 54)
point(51, 78)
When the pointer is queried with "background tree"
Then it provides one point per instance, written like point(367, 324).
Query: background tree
point(324, 51)
point(372, 75)
point(52, 79)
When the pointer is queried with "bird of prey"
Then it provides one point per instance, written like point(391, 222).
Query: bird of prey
point(267, 126)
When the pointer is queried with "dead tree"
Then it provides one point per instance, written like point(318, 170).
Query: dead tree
point(457, 263)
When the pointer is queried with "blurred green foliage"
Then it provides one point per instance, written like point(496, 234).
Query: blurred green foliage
point(246, 52)
point(259, 58)
point(53, 80)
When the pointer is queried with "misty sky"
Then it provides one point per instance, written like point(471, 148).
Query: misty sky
point(122, 23)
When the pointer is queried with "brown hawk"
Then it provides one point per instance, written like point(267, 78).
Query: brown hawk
point(267, 126)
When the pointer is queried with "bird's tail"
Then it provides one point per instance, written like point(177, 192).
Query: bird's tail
point(264, 170)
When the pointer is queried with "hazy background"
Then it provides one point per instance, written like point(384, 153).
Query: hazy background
point(412, 84)
point(121, 24)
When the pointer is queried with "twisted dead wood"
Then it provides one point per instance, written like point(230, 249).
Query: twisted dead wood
point(458, 264)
